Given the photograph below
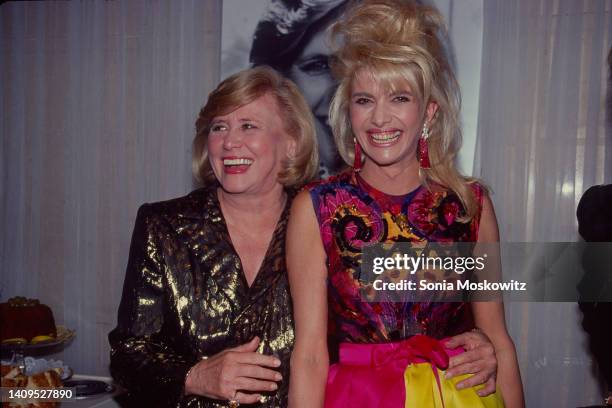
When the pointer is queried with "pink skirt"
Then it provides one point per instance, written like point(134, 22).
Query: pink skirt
point(406, 374)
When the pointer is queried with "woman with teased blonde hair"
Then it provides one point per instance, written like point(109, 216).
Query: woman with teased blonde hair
point(395, 118)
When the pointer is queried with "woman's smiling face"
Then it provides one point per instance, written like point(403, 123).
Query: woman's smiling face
point(246, 147)
point(386, 123)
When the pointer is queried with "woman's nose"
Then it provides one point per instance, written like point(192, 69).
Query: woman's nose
point(233, 139)
point(380, 115)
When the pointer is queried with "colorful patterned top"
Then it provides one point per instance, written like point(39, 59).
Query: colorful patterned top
point(353, 215)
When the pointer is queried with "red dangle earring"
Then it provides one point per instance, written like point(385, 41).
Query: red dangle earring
point(423, 148)
point(357, 159)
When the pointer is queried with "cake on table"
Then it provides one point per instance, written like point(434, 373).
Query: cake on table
point(26, 321)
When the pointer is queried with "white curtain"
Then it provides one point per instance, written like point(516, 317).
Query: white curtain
point(542, 141)
point(98, 102)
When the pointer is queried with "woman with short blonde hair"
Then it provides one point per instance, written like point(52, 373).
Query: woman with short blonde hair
point(242, 89)
point(205, 318)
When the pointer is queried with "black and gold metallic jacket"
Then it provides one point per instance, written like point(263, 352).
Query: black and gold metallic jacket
point(185, 297)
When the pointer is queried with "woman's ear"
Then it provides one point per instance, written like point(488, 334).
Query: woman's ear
point(430, 112)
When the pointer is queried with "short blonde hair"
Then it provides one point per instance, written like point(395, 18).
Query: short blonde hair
point(397, 42)
point(243, 88)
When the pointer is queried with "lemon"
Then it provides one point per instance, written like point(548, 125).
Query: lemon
point(41, 339)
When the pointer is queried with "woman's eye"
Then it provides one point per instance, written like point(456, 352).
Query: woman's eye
point(401, 99)
point(315, 66)
point(217, 128)
point(248, 126)
point(362, 101)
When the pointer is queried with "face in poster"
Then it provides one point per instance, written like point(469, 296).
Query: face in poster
point(290, 36)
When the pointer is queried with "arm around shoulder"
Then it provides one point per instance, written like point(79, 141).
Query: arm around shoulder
point(306, 263)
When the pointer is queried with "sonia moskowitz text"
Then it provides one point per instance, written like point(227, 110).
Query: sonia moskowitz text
point(424, 284)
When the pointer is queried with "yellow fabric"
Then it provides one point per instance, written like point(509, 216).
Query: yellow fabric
point(422, 390)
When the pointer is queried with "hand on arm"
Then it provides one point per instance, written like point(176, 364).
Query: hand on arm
point(479, 359)
point(306, 263)
point(240, 368)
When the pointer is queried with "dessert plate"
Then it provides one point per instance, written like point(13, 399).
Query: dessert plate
point(64, 336)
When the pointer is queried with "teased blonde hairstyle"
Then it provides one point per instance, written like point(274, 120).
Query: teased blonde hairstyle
point(400, 42)
point(243, 88)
